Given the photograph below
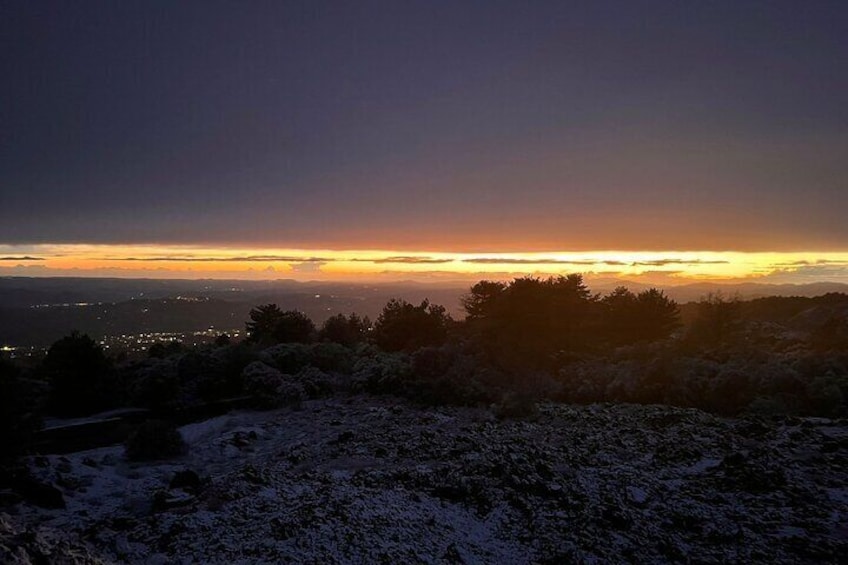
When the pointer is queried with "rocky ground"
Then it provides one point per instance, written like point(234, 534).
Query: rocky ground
point(377, 480)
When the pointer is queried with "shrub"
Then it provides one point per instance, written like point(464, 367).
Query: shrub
point(315, 383)
point(331, 357)
point(767, 406)
point(155, 439)
point(162, 350)
point(153, 383)
point(382, 373)
point(232, 359)
point(287, 357)
point(825, 397)
point(19, 418)
point(269, 387)
point(203, 377)
point(445, 376)
point(515, 406)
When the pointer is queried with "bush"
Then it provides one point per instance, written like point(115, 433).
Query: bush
point(203, 377)
point(269, 387)
point(315, 383)
point(431, 376)
point(382, 373)
point(825, 397)
point(515, 406)
point(331, 357)
point(19, 418)
point(155, 439)
point(287, 357)
point(162, 350)
point(767, 406)
point(153, 383)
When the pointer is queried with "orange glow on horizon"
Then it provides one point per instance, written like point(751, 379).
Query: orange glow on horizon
point(157, 261)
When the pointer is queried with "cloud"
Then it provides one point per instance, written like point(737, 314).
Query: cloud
point(514, 261)
point(279, 258)
point(307, 267)
point(584, 262)
point(408, 259)
point(664, 262)
point(819, 272)
point(805, 263)
point(22, 258)
point(211, 259)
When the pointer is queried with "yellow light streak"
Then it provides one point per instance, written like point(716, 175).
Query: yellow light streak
point(168, 261)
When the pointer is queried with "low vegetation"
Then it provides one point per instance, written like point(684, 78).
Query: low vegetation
point(522, 341)
point(155, 439)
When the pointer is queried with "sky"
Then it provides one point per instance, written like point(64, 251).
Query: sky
point(225, 138)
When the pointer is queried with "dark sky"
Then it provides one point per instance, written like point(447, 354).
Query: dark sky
point(426, 125)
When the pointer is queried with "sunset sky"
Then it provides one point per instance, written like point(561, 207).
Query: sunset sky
point(668, 141)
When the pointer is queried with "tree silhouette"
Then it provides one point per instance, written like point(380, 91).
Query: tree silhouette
point(402, 326)
point(79, 376)
point(658, 315)
point(268, 324)
point(528, 321)
point(717, 319)
point(479, 301)
point(294, 327)
point(631, 318)
point(345, 330)
point(263, 322)
point(18, 413)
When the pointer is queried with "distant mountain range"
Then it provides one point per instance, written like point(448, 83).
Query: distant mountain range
point(38, 311)
point(694, 292)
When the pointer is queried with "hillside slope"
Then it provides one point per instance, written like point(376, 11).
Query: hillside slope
point(367, 479)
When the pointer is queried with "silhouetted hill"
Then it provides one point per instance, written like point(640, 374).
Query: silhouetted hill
point(38, 311)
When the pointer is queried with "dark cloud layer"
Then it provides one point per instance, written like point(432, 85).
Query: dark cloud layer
point(663, 262)
point(511, 261)
point(213, 259)
point(410, 260)
point(426, 125)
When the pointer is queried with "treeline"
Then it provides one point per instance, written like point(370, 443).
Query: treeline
point(521, 341)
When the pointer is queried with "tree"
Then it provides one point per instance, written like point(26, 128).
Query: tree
point(19, 417)
point(161, 350)
point(631, 318)
point(658, 316)
point(529, 321)
point(620, 317)
point(402, 326)
point(294, 327)
point(263, 322)
point(222, 340)
point(717, 319)
point(478, 302)
point(268, 324)
point(79, 376)
point(345, 330)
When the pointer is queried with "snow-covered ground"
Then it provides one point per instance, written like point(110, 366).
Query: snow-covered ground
point(376, 480)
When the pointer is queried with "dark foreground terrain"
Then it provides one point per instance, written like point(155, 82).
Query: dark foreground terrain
point(375, 479)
